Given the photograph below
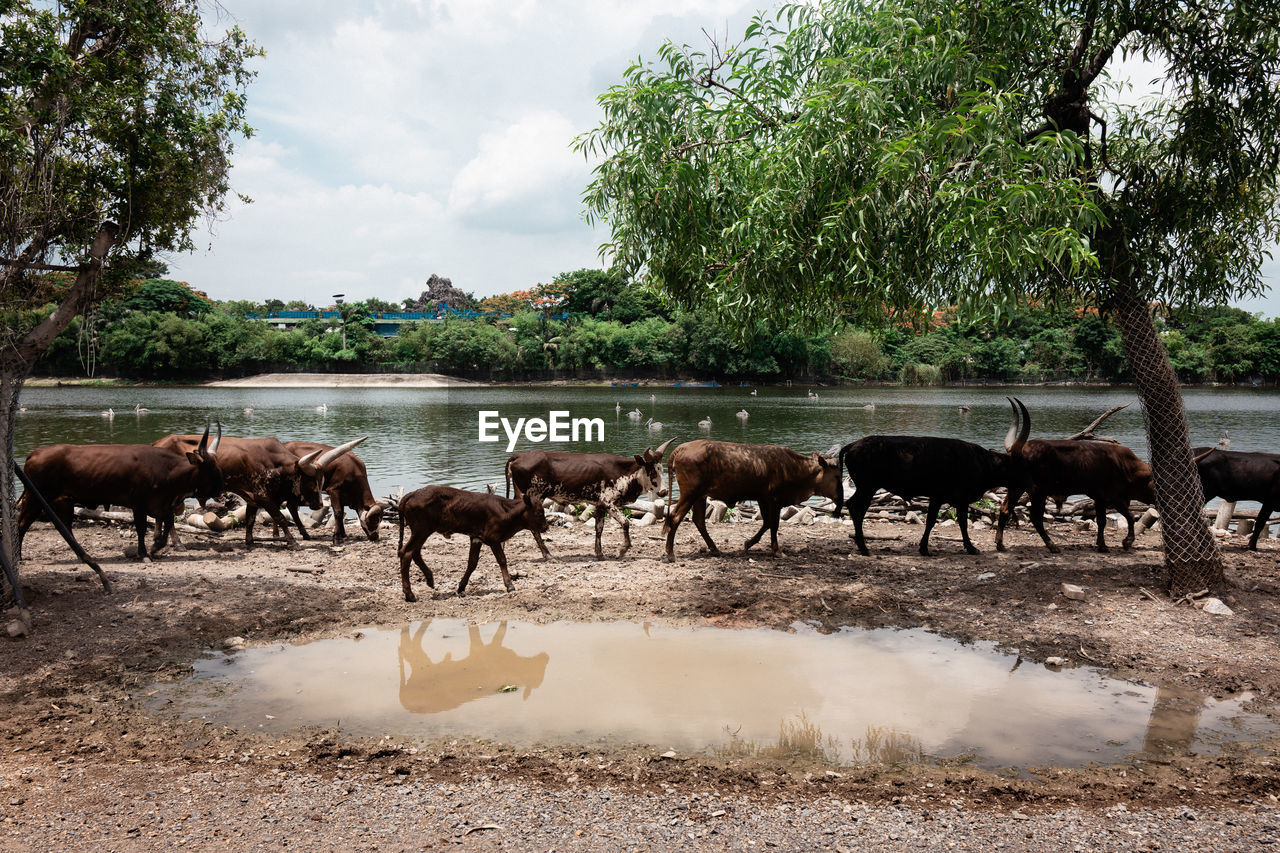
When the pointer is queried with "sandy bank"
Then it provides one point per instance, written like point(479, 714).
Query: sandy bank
point(344, 380)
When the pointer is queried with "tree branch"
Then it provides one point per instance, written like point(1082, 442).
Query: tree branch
point(31, 345)
point(27, 265)
point(1087, 433)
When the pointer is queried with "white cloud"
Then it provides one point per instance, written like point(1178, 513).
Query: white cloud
point(523, 178)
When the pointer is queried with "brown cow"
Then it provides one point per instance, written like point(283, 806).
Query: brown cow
point(769, 474)
point(487, 519)
point(1110, 474)
point(266, 475)
point(607, 481)
point(346, 482)
point(149, 480)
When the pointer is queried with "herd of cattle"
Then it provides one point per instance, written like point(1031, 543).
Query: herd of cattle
point(154, 480)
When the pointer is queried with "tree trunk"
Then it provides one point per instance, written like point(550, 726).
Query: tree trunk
point(1190, 552)
point(10, 387)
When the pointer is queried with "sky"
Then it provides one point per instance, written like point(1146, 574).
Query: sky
point(396, 139)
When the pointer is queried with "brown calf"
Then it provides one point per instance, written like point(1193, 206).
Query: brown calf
point(771, 475)
point(487, 519)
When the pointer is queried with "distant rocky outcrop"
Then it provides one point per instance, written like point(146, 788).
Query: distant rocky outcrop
point(440, 291)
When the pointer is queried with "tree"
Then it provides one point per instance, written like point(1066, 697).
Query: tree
point(850, 156)
point(116, 127)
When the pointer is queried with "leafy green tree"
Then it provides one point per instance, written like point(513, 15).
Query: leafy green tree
point(858, 355)
point(848, 156)
point(116, 127)
point(1189, 359)
point(1233, 352)
point(171, 297)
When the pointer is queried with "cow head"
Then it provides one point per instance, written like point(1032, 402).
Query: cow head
point(311, 470)
point(650, 472)
point(209, 481)
point(370, 519)
point(535, 517)
point(826, 479)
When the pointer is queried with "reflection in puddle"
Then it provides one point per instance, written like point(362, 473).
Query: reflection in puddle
point(854, 697)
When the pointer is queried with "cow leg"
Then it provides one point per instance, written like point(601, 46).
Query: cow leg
point(615, 512)
point(412, 551)
point(163, 527)
point(1263, 514)
point(857, 506)
point(293, 511)
point(1100, 515)
point(1037, 521)
point(472, 559)
point(599, 516)
point(339, 512)
point(1006, 514)
point(1127, 543)
point(931, 518)
point(250, 517)
point(140, 527)
point(699, 510)
point(28, 512)
point(764, 525)
point(501, 556)
point(962, 518)
point(283, 523)
point(673, 521)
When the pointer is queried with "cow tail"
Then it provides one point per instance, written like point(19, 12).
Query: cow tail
point(507, 471)
point(401, 517)
point(840, 481)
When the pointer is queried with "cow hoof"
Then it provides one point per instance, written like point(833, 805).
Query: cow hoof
point(1054, 549)
point(973, 552)
point(1103, 549)
point(410, 597)
point(1001, 547)
point(668, 558)
point(511, 587)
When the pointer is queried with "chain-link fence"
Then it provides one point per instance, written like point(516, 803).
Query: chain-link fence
point(1190, 551)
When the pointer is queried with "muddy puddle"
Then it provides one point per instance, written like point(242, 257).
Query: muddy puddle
point(851, 697)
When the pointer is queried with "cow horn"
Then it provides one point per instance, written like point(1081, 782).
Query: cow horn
point(213, 448)
point(1016, 438)
point(308, 463)
point(662, 448)
point(331, 456)
point(204, 439)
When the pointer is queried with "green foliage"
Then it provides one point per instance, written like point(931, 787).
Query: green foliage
point(171, 297)
point(846, 157)
point(858, 355)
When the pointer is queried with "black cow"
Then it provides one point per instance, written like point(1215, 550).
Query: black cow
point(607, 481)
point(1235, 475)
point(945, 470)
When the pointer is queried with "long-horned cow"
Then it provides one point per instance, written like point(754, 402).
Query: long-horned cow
point(1236, 475)
point(945, 470)
point(769, 474)
point(151, 481)
point(267, 475)
point(607, 481)
point(346, 482)
point(1109, 474)
point(487, 519)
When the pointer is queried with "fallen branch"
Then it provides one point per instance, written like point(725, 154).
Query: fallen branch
point(1087, 433)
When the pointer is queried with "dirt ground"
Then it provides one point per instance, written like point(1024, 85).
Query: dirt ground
point(73, 690)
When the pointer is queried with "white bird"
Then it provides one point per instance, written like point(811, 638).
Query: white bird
point(742, 415)
point(138, 410)
point(635, 414)
point(248, 410)
point(870, 407)
point(652, 398)
point(654, 426)
point(618, 408)
point(109, 414)
point(322, 408)
point(22, 408)
point(705, 424)
point(964, 410)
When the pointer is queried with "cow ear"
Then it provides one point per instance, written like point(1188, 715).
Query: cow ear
point(640, 460)
point(193, 457)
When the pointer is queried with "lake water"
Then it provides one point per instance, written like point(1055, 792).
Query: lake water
point(852, 697)
point(427, 436)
